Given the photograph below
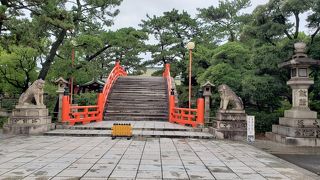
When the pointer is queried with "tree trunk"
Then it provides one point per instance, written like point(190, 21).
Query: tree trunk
point(54, 48)
point(296, 33)
point(89, 58)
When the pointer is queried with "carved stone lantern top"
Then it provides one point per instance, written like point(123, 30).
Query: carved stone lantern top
point(299, 59)
point(62, 83)
point(207, 88)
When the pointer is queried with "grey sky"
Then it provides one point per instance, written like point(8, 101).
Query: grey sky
point(133, 11)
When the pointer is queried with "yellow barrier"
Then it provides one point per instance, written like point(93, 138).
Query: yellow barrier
point(121, 130)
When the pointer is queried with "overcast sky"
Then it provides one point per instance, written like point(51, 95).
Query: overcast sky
point(133, 11)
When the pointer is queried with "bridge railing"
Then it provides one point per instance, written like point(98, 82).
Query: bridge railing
point(183, 116)
point(85, 114)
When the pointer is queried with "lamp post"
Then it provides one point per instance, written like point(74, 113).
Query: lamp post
point(73, 43)
point(190, 46)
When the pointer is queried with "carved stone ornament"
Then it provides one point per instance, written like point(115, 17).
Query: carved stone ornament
point(33, 94)
point(227, 97)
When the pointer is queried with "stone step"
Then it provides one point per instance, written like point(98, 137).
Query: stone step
point(138, 94)
point(137, 108)
point(132, 99)
point(141, 111)
point(137, 90)
point(134, 118)
point(136, 133)
point(138, 98)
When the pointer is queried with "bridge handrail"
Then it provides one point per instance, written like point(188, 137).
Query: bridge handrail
point(86, 114)
point(193, 117)
point(116, 72)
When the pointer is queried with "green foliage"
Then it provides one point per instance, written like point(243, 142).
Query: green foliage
point(3, 120)
point(85, 99)
point(17, 68)
point(226, 20)
point(172, 31)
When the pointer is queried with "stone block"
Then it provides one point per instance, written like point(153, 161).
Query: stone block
point(296, 131)
point(296, 122)
point(232, 125)
point(27, 129)
point(29, 119)
point(300, 113)
point(231, 115)
point(229, 134)
point(296, 141)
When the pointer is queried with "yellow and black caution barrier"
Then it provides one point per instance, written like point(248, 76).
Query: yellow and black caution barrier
point(121, 130)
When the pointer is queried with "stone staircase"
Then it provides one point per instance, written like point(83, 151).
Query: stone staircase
point(136, 98)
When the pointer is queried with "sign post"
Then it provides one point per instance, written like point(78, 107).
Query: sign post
point(250, 129)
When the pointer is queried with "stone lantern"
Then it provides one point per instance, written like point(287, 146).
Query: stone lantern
point(62, 84)
point(207, 89)
point(300, 125)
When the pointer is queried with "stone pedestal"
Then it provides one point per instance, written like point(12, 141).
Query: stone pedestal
point(28, 119)
point(297, 127)
point(230, 124)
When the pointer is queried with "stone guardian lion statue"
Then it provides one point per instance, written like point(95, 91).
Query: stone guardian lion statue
point(227, 97)
point(33, 94)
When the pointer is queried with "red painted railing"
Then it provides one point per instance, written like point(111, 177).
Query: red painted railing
point(183, 116)
point(86, 114)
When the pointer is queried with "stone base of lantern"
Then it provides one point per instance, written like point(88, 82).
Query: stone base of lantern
point(298, 127)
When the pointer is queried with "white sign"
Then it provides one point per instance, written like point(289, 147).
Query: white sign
point(250, 129)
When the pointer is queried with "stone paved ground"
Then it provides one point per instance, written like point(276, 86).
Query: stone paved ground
point(47, 157)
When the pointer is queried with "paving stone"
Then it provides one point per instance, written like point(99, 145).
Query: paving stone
point(129, 162)
point(46, 172)
point(172, 174)
point(19, 172)
point(149, 167)
point(200, 175)
point(123, 174)
point(98, 173)
point(173, 168)
point(252, 176)
point(225, 176)
point(11, 165)
point(72, 172)
point(66, 178)
point(150, 162)
point(126, 168)
point(148, 174)
point(37, 178)
point(219, 169)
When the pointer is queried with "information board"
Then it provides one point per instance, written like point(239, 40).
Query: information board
point(250, 129)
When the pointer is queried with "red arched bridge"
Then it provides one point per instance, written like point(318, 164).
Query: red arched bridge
point(134, 98)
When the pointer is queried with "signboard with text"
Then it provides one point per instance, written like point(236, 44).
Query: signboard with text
point(250, 129)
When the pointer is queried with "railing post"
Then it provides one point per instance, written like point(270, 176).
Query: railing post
point(100, 104)
point(200, 111)
point(65, 108)
point(171, 105)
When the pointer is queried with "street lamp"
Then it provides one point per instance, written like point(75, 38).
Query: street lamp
point(190, 46)
point(73, 43)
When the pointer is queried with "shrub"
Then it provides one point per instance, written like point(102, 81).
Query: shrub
point(3, 120)
point(85, 99)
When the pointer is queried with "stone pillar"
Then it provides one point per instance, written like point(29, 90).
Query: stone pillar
point(207, 87)
point(62, 84)
point(300, 125)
